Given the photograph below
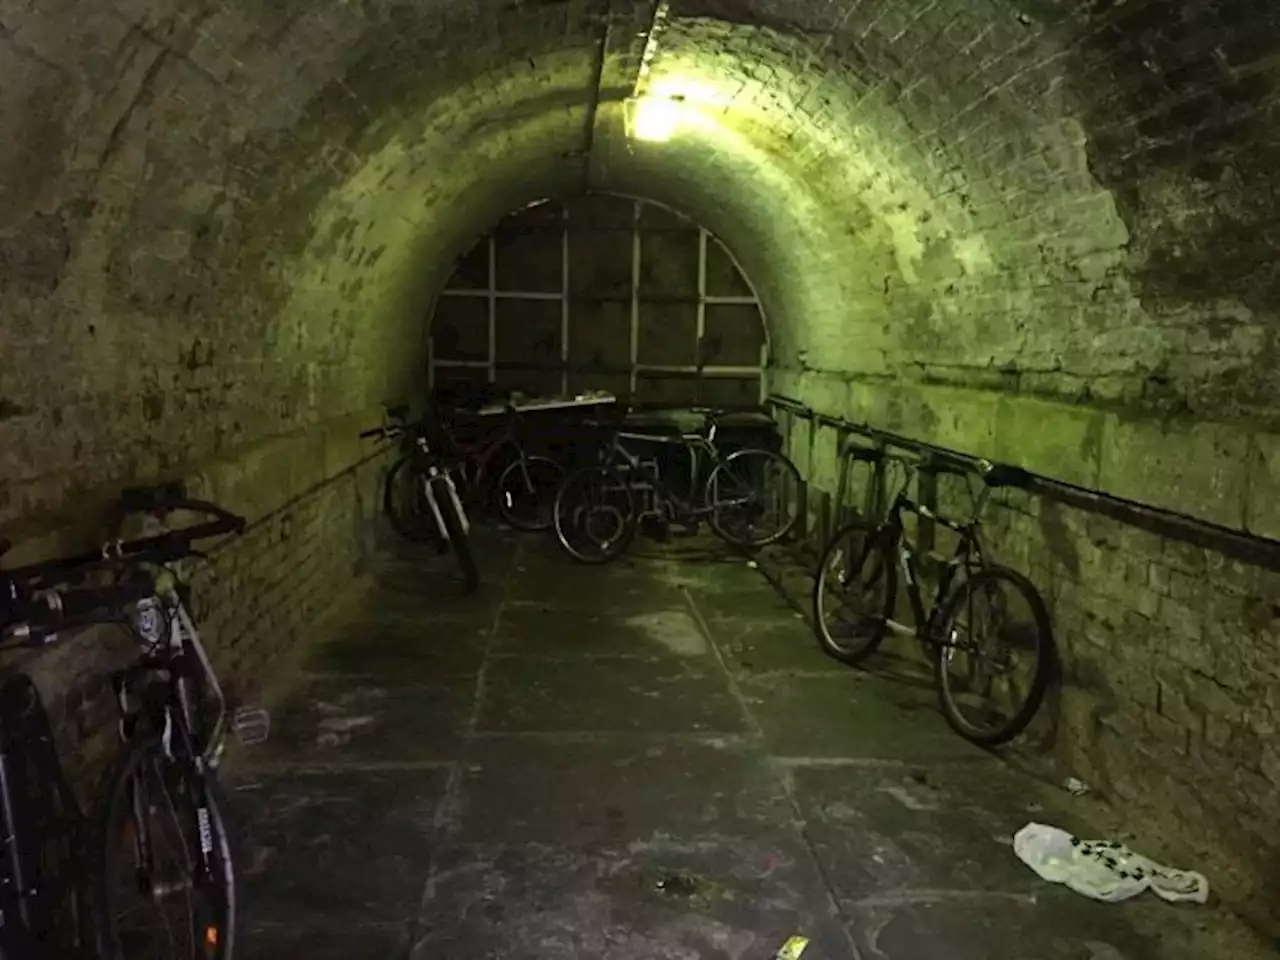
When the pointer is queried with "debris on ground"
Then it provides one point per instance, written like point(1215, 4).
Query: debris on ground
point(677, 885)
point(690, 887)
point(1075, 786)
point(1103, 869)
point(792, 949)
point(336, 731)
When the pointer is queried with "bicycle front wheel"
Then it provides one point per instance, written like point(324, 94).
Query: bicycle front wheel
point(455, 529)
point(995, 655)
point(855, 592)
point(527, 492)
point(163, 870)
point(753, 497)
point(594, 515)
point(405, 503)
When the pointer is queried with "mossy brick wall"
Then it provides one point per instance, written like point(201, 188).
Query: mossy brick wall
point(1170, 657)
point(1106, 316)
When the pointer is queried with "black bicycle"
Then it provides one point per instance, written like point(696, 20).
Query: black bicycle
point(420, 496)
point(158, 854)
point(976, 655)
point(748, 497)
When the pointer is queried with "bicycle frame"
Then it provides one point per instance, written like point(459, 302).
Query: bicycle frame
point(968, 555)
point(175, 649)
point(171, 649)
point(475, 460)
point(685, 507)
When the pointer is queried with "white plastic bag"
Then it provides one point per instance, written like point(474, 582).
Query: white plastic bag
point(1102, 869)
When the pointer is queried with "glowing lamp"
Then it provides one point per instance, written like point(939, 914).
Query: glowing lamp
point(654, 119)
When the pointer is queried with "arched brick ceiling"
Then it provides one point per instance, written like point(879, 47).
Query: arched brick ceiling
point(236, 214)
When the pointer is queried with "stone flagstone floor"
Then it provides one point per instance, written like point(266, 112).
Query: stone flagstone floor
point(649, 760)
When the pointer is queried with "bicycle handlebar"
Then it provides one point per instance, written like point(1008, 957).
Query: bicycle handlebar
point(34, 622)
point(156, 548)
point(31, 610)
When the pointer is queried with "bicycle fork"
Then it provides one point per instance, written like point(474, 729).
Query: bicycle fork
point(432, 475)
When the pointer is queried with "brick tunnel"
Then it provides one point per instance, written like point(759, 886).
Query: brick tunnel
point(1042, 234)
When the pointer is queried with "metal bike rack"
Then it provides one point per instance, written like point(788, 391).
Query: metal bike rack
point(854, 451)
point(1245, 547)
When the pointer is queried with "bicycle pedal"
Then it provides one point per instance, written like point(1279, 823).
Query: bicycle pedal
point(251, 725)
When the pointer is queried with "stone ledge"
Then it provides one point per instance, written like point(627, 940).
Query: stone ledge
point(1218, 472)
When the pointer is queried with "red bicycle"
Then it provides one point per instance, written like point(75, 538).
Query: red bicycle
point(525, 489)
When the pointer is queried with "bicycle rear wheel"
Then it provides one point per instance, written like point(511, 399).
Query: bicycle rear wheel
point(855, 592)
point(526, 493)
point(994, 623)
point(753, 496)
point(163, 870)
point(594, 515)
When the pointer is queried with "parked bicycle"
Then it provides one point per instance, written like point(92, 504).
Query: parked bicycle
point(421, 499)
point(749, 496)
point(975, 658)
point(526, 483)
point(158, 854)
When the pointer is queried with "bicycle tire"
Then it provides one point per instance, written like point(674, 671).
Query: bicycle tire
point(717, 521)
point(513, 473)
point(218, 928)
point(459, 539)
point(562, 510)
point(49, 826)
point(877, 540)
point(1044, 648)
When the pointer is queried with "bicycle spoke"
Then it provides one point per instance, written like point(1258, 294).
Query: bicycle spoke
point(752, 497)
point(984, 676)
point(853, 593)
point(594, 516)
point(159, 900)
point(159, 878)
